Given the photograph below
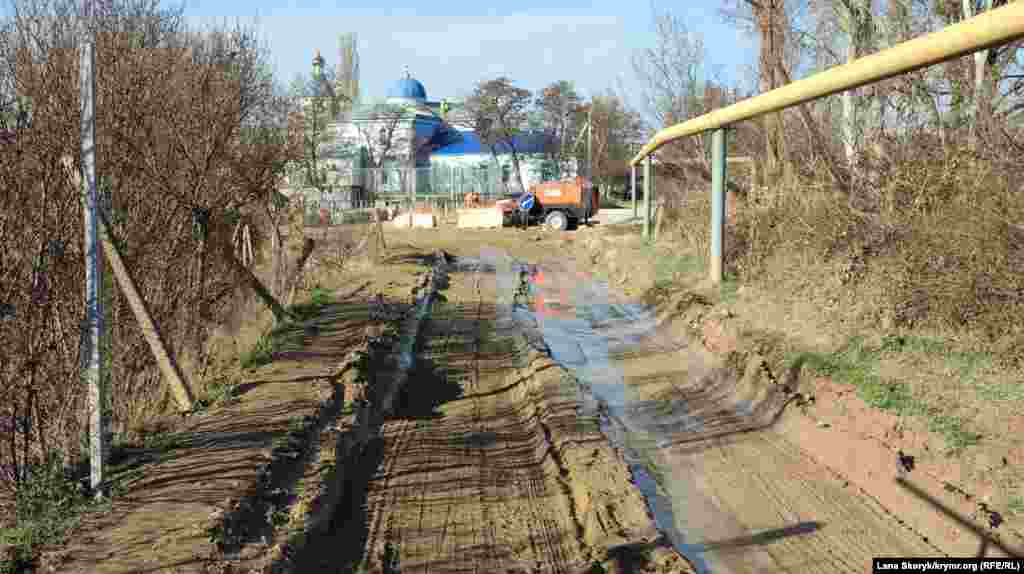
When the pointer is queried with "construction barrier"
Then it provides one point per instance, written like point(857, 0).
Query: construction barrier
point(427, 220)
point(487, 217)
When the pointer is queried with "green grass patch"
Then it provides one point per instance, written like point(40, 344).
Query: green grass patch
point(1016, 505)
point(439, 303)
point(260, 354)
point(216, 393)
point(952, 429)
point(968, 366)
point(318, 299)
point(163, 441)
point(856, 363)
point(288, 332)
point(668, 267)
point(728, 291)
point(47, 506)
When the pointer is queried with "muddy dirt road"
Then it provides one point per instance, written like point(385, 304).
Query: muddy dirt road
point(731, 493)
point(488, 464)
point(501, 458)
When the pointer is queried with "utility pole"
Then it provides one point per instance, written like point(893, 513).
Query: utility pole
point(93, 272)
point(590, 142)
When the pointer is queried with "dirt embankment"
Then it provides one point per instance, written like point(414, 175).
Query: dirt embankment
point(486, 460)
point(753, 357)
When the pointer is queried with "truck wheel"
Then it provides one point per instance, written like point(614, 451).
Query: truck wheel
point(557, 220)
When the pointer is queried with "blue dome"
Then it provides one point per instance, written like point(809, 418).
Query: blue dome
point(408, 88)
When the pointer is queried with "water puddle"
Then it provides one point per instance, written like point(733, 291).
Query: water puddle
point(422, 306)
point(584, 327)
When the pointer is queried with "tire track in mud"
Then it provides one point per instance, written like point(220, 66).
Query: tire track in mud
point(492, 478)
point(488, 479)
point(481, 487)
point(397, 492)
point(749, 500)
point(396, 440)
point(549, 553)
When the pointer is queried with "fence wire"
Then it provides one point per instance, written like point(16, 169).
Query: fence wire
point(437, 187)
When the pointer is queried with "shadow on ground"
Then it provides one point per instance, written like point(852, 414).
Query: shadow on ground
point(429, 386)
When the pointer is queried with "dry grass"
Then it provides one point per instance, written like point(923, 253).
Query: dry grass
point(908, 290)
point(939, 247)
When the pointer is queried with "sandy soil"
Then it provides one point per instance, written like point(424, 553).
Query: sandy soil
point(945, 500)
point(739, 496)
point(487, 466)
point(495, 461)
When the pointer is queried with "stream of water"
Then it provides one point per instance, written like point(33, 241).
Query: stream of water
point(582, 327)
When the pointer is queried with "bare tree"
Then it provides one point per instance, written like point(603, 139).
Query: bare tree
point(673, 72)
point(314, 115)
point(770, 19)
point(499, 111)
point(614, 128)
point(678, 87)
point(186, 135)
point(385, 133)
point(558, 110)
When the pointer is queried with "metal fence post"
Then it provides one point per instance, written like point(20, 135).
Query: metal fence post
point(718, 164)
point(647, 197)
point(410, 180)
point(93, 277)
point(632, 188)
point(654, 203)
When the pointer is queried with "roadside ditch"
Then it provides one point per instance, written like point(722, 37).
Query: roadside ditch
point(308, 471)
point(342, 448)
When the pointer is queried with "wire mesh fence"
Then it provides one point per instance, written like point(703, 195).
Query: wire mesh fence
point(443, 188)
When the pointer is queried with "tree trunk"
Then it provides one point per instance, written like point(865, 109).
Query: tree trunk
point(280, 314)
point(771, 51)
point(515, 166)
point(820, 143)
point(277, 257)
point(198, 314)
point(295, 278)
point(981, 108)
point(850, 114)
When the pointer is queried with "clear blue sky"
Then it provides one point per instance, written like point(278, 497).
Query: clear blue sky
point(449, 46)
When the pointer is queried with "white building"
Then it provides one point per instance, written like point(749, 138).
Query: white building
point(429, 149)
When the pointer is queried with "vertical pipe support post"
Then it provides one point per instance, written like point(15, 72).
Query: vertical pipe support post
point(718, 149)
point(653, 204)
point(647, 197)
point(632, 180)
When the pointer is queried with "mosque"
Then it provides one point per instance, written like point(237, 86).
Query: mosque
point(429, 147)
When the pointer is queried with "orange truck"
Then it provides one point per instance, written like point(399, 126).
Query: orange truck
point(563, 204)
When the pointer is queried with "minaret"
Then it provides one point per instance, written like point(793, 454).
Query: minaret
point(347, 80)
point(318, 65)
